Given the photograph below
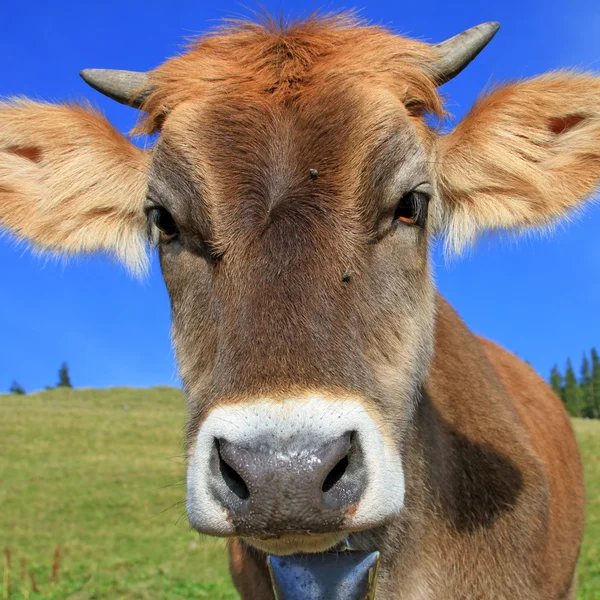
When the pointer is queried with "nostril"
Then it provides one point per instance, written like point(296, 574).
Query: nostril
point(231, 477)
point(335, 474)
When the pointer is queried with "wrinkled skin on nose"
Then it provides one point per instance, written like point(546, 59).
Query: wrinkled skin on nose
point(299, 486)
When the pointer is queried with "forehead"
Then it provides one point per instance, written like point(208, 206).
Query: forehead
point(315, 115)
point(354, 135)
point(251, 109)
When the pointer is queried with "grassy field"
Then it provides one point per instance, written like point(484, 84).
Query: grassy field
point(588, 436)
point(99, 473)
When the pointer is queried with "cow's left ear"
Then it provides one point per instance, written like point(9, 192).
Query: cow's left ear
point(526, 154)
point(70, 183)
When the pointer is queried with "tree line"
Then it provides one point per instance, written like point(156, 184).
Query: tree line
point(580, 393)
point(64, 380)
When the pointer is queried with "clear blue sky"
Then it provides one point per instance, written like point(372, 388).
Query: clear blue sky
point(539, 297)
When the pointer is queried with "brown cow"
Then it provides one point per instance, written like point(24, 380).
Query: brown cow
point(292, 194)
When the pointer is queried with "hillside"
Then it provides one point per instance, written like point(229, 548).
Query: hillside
point(100, 474)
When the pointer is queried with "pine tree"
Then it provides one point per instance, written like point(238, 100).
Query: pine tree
point(556, 382)
point(572, 391)
point(596, 381)
point(17, 388)
point(64, 380)
point(588, 409)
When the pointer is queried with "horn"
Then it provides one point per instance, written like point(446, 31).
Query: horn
point(453, 55)
point(456, 53)
point(127, 87)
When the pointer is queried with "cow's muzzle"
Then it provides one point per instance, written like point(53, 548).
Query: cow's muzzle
point(292, 475)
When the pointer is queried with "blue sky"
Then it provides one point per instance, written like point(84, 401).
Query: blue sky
point(539, 297)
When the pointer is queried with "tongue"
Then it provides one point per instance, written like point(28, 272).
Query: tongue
point(331, 576)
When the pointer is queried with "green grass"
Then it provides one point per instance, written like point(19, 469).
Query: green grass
point(588, 436)
point(100, 474)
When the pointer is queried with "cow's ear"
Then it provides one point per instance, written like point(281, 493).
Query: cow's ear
point(526, 154)
point(71, 183)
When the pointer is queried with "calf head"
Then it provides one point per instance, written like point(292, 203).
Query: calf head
point(292, 194)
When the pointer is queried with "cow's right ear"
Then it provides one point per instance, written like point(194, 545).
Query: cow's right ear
point(70, 183)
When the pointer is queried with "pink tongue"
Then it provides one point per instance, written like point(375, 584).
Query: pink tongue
point(329, 576)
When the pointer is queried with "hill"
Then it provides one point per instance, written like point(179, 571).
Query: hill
point(100, 473)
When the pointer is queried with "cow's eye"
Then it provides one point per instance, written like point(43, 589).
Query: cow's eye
point(161, 219)
point(412, 209)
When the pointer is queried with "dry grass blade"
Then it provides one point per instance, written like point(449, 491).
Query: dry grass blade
point(24, 586)
point(6, 581)
point(34, 585)
point(55, 567)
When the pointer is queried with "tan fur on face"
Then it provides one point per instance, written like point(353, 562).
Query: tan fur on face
point(525, 155)
point(70, 183)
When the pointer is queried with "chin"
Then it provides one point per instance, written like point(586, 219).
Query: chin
point(302, 543)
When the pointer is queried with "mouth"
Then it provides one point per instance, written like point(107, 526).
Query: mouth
point(297, 543)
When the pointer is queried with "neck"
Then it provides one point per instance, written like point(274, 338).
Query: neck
point(461, 456)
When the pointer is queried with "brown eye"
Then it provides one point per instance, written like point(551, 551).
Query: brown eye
point(412, 209)
point(162, 220)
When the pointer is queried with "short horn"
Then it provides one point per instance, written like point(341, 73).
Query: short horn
point(456, 53)
point(127, 87)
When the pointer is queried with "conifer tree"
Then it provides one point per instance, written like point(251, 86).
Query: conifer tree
point(64, 379)
point(588, 408)
point(556, 382)
point(572, 391)
point(17, 388)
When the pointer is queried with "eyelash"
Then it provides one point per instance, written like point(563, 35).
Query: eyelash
point(411, 210)
point(160, 219)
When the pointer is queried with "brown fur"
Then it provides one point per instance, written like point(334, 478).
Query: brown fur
point(486, 409)
point(250, 60)
point(282, 282)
